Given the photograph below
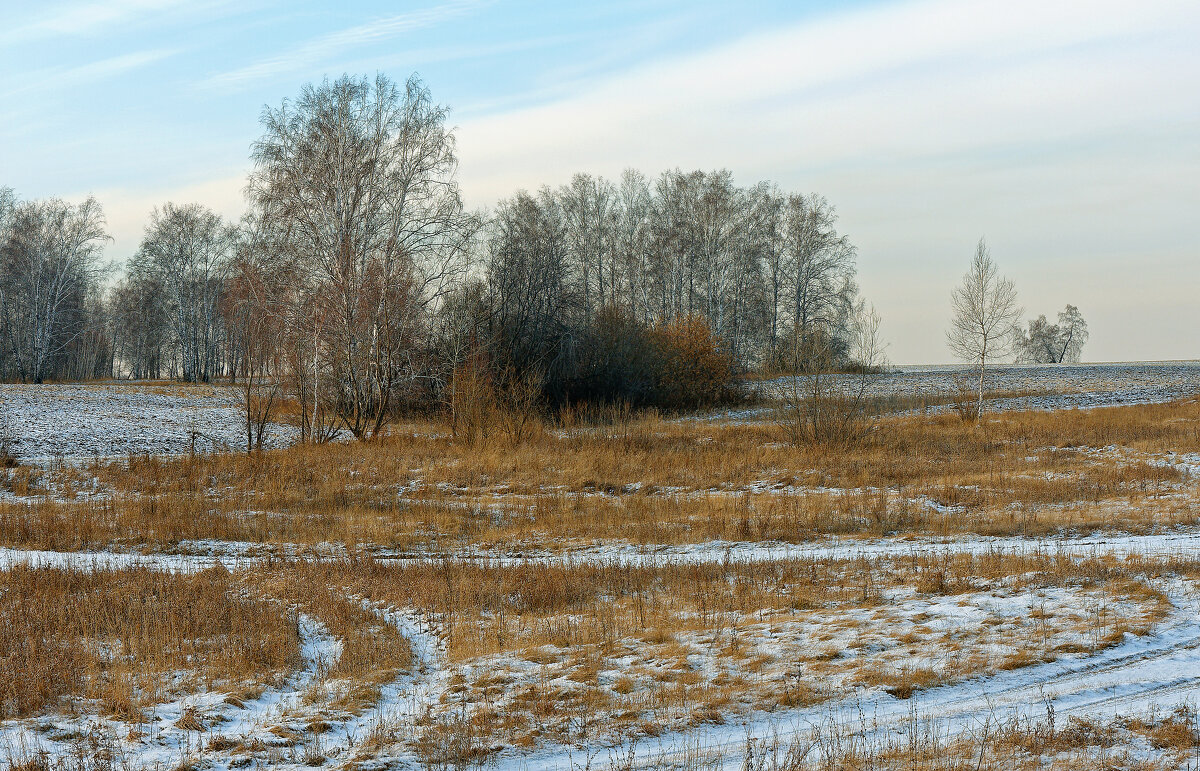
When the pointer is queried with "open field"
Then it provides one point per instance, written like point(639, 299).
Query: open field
point(641, 592)
point(113, 419)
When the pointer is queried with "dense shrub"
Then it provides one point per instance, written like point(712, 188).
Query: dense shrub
point(679, 365)
point(693, 368)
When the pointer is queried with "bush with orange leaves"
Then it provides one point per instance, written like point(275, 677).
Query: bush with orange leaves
point(694, 368)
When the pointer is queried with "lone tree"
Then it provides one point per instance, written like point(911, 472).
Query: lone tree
point(984, 326)
point(1046, 343)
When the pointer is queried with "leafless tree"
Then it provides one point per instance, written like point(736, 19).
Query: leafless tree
point(186, 251)
point(985, 317)
point(632, 242)
point(536, 311)
point(823, 405)
point(820, 271)
point(49, 263)
point(753, 263)
point(587, 205)
point(141, 324)
point(256, 305)
point(357, 177)
point(1047, 343)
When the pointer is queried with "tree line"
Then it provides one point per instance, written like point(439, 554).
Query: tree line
point(358, 284)
point(359, 276)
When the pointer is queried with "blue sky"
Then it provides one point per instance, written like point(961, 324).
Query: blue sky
point(1068, 133)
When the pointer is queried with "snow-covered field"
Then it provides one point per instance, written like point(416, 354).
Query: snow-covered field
point(1061, 386)
point(1103, 651)
point(78, 422)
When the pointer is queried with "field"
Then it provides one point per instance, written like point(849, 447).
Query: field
point(619, 590)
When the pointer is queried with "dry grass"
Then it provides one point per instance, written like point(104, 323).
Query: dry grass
point(125, 637)
point(997, 744)
point(373, 652)
point(642, 481)
point(568, 652)
point(557, 650)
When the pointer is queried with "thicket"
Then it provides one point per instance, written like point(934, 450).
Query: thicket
point(358, 287)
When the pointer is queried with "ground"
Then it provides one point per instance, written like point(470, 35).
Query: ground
point(632, 591)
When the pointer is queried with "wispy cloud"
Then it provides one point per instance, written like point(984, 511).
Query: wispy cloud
point(1064, 131)
point(326, 47)
point(83, 18)
point(91, 72)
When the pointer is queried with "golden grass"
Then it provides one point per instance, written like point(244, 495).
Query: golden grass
point(121, 637)
point(643, 481)
point(569, 651)
point(614, 649)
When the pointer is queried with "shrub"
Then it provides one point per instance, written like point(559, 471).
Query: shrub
point(694, 368)
point(676, 365)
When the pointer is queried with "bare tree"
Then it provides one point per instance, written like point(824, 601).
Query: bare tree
point(1072, 334)
point(187, 250)
point(824, 406)
point(140, 321)
point(1046, 343)
point(49, 264)
point(820, 271)
point(985, 316)
point(536, 312)
point(587, 205)
point(256, 309)
point(357, 177)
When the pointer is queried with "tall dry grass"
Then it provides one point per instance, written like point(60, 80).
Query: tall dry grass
point(121, 636)
point(641, 479)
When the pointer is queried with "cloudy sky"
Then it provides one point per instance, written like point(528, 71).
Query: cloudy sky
point(1067, 133)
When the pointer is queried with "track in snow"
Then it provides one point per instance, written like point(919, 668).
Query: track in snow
point(1135, 676)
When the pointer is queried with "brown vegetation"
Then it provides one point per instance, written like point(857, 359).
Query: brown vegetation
point(640, 479)
point(120, 637)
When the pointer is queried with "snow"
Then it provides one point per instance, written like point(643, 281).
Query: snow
point(75, 423)
point(1128, 679)
point(1042, 387)
point(79, 422)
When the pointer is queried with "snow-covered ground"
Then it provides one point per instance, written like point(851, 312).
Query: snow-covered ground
point(1061, 386)
point(1137, 677)
point(77, 422)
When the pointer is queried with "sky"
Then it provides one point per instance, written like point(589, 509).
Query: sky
point(1066, 133)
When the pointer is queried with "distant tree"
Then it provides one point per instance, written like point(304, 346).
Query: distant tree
point(1046, 343)
point(49, 266)
point(141, 327)
point(537, 311)
point(985, 316)
point(186, 253)
point(821, 272)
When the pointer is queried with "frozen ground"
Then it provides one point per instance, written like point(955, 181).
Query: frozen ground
point(1162, 668)
point(77, 422)
point(1060, 386)
point(1137, 677)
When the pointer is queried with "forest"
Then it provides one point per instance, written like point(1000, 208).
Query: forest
point(359, 285)
point(359, 262)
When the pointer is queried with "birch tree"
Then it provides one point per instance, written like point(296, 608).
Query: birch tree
point(1047, 343)
point(985, 317)
point(358, 178)
point(187, 249)
point(49, 263)
point(820, 274)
